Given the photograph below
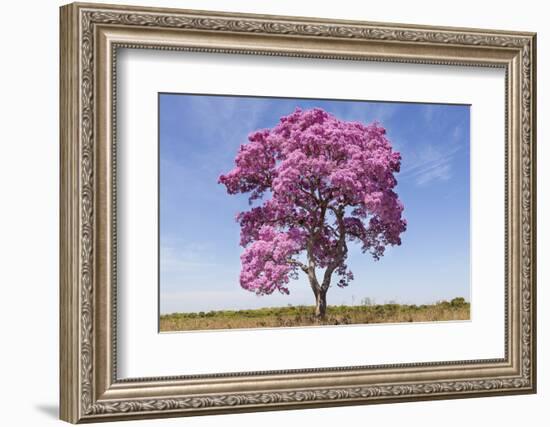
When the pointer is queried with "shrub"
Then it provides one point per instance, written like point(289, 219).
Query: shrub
point(458, 302)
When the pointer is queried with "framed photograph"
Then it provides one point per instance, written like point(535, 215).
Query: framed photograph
point(267, 212)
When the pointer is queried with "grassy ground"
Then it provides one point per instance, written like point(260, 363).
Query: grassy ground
point(274, 317)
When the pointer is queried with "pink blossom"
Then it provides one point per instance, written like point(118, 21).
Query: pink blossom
point(326, 182)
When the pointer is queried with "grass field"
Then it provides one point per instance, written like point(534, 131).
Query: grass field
point(274, 317)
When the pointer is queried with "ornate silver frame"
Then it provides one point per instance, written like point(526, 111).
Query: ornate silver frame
point(90, 36)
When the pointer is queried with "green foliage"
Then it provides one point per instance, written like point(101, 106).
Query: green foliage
point(458, 302)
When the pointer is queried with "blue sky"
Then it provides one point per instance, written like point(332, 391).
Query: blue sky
point(199, 238)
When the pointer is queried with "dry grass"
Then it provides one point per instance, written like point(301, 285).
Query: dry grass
point(276, 317)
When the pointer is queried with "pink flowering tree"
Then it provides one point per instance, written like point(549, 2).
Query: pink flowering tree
point(317, 184)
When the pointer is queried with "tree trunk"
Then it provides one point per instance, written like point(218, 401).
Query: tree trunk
point(320, 291)
point(320, 304)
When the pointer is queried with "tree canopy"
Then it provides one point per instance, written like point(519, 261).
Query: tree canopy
point(315, 183)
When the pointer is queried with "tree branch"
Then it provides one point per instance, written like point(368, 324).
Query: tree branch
point(341, 249)
point(302, 266)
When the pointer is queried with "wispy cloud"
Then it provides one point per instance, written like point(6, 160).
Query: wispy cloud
point(185, 258)
point(430, 112)
point(217, 299)
point(433, 162)
point(222, 124)
point(381, 112)
point(430, 164)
